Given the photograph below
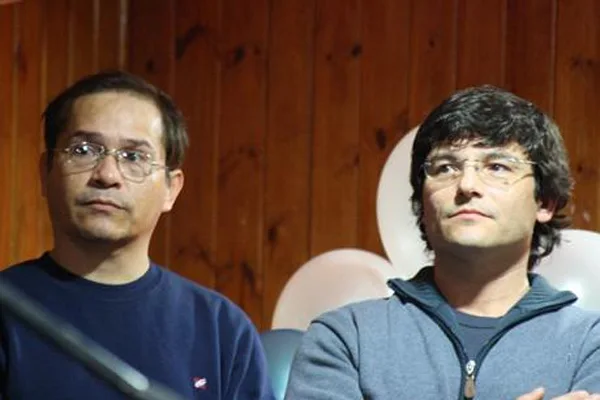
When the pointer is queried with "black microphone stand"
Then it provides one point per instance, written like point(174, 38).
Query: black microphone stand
point(95, 358)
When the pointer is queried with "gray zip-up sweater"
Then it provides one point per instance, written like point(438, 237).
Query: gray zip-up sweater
point(406, 347)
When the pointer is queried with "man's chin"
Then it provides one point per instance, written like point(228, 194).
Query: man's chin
point(103, 234)
point(471, 241)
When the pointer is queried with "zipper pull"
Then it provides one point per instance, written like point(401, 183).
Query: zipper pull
point(470, 380)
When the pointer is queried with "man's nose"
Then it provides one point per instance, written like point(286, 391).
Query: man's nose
point(107, 172)
point(469, 180)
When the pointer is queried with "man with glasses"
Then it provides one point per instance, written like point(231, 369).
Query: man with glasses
point(490, 181)
point(114, 150)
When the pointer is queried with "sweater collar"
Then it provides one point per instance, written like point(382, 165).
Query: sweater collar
point(422, 289)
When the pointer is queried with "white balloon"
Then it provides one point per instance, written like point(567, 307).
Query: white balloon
point(574, 266)
point(329, 281)
point(398, 228)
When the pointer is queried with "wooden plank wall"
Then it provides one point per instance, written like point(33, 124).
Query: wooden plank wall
point(292, 106)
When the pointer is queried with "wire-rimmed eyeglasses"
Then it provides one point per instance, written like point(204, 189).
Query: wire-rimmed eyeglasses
point(493, 171)
point(133, 164)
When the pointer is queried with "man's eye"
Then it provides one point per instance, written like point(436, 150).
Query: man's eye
point(498, 166)
point(83, 149)
point(443, 168)
point(133, 156)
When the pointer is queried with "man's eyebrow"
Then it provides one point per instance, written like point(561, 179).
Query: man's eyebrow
point(443, 155)
point(97, 137)
point(500, 154)
point(85, 136)
point(137, 143)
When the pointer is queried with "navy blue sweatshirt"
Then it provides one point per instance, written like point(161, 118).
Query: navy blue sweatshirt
point(186, 337)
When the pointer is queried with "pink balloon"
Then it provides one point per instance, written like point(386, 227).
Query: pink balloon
point(329, 281)
point(400, 235)
point(574, 266)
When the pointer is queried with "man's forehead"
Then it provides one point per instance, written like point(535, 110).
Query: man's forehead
point(112, 101)
point(115, 119)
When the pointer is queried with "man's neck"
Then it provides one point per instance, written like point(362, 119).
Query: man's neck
point(483, 286)
point(105, 263)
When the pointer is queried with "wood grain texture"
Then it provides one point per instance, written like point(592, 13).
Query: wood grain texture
point(241, 161)
point(383, 104)
point(335, 154)
point(530, 50)
point(197, 83)
point(481, 42)
point(288, 146)
point(55, 72)
point(8, 236)
point(432, 56)
point(109, 36)
point(29, 206)
point(576, 102)
point(83, 38)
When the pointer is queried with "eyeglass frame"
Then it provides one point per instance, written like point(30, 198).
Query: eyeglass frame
point(477, 164)
point(105, 152)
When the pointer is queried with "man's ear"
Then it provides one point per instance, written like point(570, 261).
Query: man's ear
point(546, 210)
point(174, 186)
point(43, 171)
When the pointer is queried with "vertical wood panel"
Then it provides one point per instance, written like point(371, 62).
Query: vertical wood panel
point(481, 52)
point(577, 99)
point(193, 252)
point(383, 103)
point(56, 61)
point(124, 39)
point(83, 29)
point(7, 136)
point(288, 148)
point(530, 50)
point(29, 209)
point(241, 154)
point(151, 55)
point(109, 34)
point(336, 133)
point(56, 38)
point(433, 55)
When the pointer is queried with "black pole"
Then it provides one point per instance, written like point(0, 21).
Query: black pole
point(95, 358)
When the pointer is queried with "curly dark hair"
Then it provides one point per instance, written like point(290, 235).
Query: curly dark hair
point(496, 117)
point(58, 112)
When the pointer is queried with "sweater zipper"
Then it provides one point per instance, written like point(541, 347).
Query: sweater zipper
point(469, 386)
point(467, 366)
point(469, 369)
point(472, 366)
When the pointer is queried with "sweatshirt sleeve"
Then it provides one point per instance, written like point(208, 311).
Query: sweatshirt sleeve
point(247, 375)
point(325, 367)
point(3, 362)
point(587, 376)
